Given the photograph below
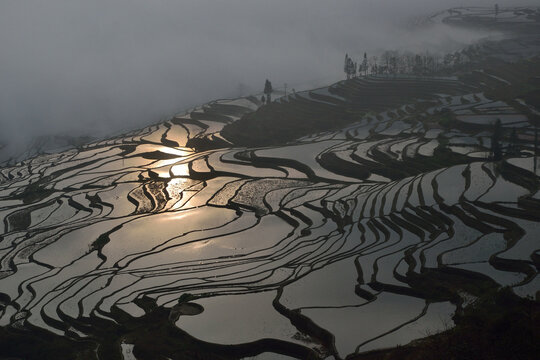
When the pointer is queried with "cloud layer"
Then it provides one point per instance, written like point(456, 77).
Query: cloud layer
point(103, 66)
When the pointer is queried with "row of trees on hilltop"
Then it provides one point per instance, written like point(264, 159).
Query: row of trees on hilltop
point(352, 68)
point(393, 62)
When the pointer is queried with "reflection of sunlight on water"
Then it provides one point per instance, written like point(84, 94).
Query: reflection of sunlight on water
point(167, 162)
point(166, 171)
point(180, 152)
point(180, 170)
point(176, 186)
point(173, 217)
point(162, 172)
point(198, 245)
point(178, 155)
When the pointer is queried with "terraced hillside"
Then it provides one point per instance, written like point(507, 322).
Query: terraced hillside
point(367, 234)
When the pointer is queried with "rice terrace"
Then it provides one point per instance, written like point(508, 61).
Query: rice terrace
point(391, 215)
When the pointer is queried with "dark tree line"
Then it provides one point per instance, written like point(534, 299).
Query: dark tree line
point(392, 62)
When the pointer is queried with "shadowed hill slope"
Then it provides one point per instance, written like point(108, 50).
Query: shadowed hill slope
point(330, 108)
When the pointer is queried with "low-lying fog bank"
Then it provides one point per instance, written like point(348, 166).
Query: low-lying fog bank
point(96, 68)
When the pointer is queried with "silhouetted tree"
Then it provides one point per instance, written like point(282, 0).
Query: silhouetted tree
point(268, 91)
point(496, 151)
point(418, 67)
point(513, 147)
point(405, 63)
point(457, 58)
point(364, 66)
point(393, 63)
point(263, 99)
point(431, 64)
point(351, 68)
point(373, 64)
point(448, 60)
point(346, 66)
point(385, 59)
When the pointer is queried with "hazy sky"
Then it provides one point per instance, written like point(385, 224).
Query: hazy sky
point(71, 66)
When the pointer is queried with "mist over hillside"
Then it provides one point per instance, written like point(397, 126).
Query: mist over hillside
point(101, 67)
point(388, 208)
